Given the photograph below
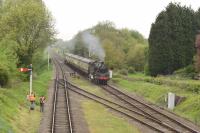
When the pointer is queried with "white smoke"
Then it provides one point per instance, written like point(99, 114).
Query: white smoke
point(71, 44)
point(93, 44)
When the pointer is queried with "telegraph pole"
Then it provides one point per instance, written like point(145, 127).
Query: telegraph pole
point(48, 60)
point(89, 51)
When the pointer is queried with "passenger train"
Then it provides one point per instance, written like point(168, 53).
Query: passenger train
point(95, 70)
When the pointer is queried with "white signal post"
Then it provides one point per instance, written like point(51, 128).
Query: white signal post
point(30, 69)
point(30, 82)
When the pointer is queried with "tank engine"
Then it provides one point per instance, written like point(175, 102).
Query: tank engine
point(95, 70)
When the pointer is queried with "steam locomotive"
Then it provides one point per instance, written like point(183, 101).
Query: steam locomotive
point(95, 70)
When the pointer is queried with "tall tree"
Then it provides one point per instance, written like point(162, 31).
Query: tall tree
point(29, 24)
point(171, 40)
point(136, 57)
point(120, 43)
point(79, 46)
point(197, 43)
point(115, 58)
point(8, 61)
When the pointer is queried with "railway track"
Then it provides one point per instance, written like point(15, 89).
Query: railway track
point(150, 111)
point(61, 115)
point(154, 124)
point(169, 123)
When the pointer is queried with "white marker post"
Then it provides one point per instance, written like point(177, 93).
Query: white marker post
point(171, 100)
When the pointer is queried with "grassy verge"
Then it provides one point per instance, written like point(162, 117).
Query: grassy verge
point(156, 93)
point(185, 84)
point(101, 121)
point(97, 116)
point(14, 114)
point(86, 85)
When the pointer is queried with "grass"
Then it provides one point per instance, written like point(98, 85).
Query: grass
point(14, 114)
point(183, 83)
point(154, 92)
point(100, 120)
point(86, 85)
point(26, 122)
point(97, 116)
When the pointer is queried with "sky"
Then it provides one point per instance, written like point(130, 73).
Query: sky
point(72, 16)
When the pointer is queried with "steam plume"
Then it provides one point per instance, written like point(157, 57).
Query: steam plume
point(93, 44)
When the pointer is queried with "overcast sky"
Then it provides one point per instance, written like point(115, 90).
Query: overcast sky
point(72, 16)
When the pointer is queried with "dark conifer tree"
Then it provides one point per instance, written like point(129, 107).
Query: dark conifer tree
point(171, 40)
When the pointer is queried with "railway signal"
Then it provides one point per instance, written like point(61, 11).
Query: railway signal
point(29, 69)
point(23, 69)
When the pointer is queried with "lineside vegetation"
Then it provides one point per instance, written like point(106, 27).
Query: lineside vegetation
point(26, 28)
point(170, 46)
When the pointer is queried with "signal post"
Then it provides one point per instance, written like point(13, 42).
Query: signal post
point(29, 69)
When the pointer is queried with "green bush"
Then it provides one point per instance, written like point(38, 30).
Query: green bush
point(116, 80)
point(188, 71)
point(116, 75)
point(146, 69)
point(4, 78)
point(131, 70)
point(186, 85)
point(123, 72)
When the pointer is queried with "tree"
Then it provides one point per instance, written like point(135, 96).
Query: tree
point(116, 44)
point(8, 60)
point(29, 24)
point(79, 46)
point(197, 43)
point(115, 57)
point(136, 57)
point(119, 41)
point(171, 40)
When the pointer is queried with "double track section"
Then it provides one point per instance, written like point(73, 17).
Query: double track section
point(150, 111)
point(151, 123)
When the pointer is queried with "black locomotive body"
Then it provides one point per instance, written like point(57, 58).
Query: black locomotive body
point(95, 70)
point(98, 72)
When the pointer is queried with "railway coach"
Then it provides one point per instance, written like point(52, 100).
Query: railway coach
point(95, 70)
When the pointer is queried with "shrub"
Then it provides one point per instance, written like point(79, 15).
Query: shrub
point(116, 75)
point(3, 77)
point(131, 70)
point(123, 72)
point(115, 80)
point(146, 69)
point(188, 71)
